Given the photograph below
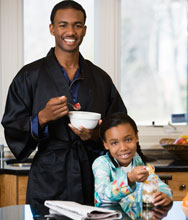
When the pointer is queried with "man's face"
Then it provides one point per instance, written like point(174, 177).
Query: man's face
point(68, 29)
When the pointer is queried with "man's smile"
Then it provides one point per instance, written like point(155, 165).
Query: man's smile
point(70, 41)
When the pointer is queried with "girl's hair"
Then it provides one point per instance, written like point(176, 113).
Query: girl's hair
point(115, 120)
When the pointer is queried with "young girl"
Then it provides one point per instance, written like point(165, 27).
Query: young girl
point(119, 175)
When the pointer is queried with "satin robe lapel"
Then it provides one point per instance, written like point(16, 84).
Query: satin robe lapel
point(56, 75)
point(84, 94)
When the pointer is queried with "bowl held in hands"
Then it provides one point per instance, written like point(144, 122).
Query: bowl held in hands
point(87, 120)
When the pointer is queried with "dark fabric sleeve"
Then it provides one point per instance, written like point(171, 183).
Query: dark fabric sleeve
point(16, 120)
point(42, 134)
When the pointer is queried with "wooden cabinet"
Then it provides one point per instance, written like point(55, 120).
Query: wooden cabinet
point(178, 184)
point(12, 189)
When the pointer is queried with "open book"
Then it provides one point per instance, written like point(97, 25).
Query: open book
point(77, 211)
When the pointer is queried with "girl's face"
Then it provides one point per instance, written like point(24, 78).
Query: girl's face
point(121, 141)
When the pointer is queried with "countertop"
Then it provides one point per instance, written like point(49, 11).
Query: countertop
point(19, 169)
point(27, 212)
point(170, 165)
point(166, 162)
point(162, 161)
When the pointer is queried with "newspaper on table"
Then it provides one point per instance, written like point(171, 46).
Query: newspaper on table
point(77, 211)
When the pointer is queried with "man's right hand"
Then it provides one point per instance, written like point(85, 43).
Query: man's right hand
point(55, 108)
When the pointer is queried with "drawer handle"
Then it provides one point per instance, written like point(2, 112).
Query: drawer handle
point(182, 187)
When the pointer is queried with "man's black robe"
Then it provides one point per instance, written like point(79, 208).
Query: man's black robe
point(61, 168)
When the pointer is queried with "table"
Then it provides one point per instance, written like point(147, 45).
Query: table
point(24, 212)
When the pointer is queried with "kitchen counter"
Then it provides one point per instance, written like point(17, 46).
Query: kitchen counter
point(162, 165)
point(164, 161)
point(13, 184)
point(173, 172)
point(27, 212)
point(161, 162)
point(18, 171)
point(11, 166)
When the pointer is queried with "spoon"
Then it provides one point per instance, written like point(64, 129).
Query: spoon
point(75, 106)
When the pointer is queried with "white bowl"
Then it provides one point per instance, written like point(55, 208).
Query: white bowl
point(87, 120)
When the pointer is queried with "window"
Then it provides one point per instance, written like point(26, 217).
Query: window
point(153, 60)
point(152, 49)
point(37, 38)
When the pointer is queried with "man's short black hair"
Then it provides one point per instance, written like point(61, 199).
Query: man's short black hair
point(67, 4)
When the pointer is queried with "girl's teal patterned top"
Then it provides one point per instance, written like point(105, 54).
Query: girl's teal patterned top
point(111, 183)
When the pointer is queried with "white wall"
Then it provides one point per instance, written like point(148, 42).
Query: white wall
point(106, 52)
point(11, 46)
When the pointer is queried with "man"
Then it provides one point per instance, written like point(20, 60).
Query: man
point(36, 114)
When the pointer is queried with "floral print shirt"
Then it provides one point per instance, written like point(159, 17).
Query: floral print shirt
point(111, 182)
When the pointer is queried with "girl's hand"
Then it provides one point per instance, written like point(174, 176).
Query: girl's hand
point(161, 212)
point(138, 174)
point(161, 199)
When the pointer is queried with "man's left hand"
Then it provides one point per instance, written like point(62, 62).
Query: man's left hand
point(87, 134)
